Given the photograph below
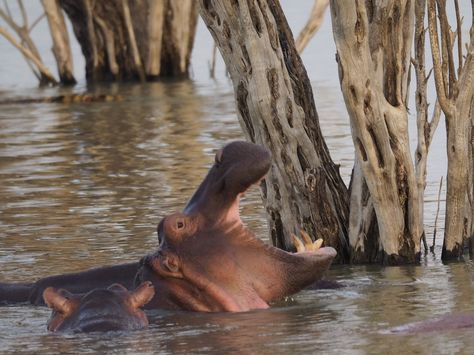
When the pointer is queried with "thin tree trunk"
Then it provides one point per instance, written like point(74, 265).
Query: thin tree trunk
point(276, 108)
point(156, 17)
point(425, 128)
point(61, 47)
point(455, 97)
point(373, 41)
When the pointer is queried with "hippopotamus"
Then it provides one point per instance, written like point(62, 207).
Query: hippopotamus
point(444, 323)
point(102, 309)
point(207, 259)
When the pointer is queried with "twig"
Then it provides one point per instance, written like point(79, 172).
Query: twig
point(212, 69)
point(459, 33)
point(312, 26)
point(437, 214)
point(35, 22)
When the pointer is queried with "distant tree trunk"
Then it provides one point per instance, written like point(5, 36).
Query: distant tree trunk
point(276, 108)
point(455, 96)
point(133, 40)
point(373, 41)
point(61, 47)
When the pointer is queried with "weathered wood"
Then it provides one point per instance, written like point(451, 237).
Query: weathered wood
point(61, 46)
point(456, 100)
point(178, 36)
point(276, 108)
point(125, 40)
point(425, 128)
point(373, 41)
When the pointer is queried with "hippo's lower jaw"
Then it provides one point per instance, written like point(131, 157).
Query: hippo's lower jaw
point(260, 275)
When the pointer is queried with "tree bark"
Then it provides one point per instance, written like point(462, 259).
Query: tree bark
point(125, 40)
point(276, 108)
point(61, 47)
point(455, 97)
point(373, 41)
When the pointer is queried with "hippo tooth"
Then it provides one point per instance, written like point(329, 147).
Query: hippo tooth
point(317, 244)
point(307, 239)
point(297, 243)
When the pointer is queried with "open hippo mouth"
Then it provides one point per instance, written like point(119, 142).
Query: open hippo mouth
point(209, 261)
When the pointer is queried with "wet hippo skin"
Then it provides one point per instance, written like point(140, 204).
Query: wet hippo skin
point(207, 260)
point(102, 309)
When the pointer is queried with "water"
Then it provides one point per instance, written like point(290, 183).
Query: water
point(84, 185)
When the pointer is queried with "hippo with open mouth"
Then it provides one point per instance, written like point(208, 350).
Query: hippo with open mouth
point(207, 260)
point(104, 309)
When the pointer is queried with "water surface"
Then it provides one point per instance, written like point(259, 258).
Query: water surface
point(84, 185)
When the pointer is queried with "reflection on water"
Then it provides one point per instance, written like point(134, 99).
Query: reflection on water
point(84, 185)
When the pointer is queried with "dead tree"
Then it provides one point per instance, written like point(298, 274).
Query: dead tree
point(25, 44)
point(133, 40)
point(373, 41)
point(455, 92)
point(61, 45)
point(425, 128)
point(276, 108)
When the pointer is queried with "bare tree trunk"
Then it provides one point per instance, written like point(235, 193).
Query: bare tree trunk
point(312, 26)
point(61, 47)
point(456, 100)
point(156, 16)
point(134, 40)
point(425, 128)
point(373, 41)
point(178, 36)
point(276, 108)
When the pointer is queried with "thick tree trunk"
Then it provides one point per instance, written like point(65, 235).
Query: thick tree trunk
point(133, 40)
point(276, 108)
point(61, 47)
point(373, 41)
point(456, 100)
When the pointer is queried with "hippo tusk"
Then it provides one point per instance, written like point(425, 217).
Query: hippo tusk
point(297, 243)
point(306, 244)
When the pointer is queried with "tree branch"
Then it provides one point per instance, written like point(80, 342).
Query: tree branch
point(444, 101)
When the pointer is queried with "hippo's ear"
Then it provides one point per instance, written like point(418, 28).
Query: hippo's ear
point(142, 294)
point(57, 300)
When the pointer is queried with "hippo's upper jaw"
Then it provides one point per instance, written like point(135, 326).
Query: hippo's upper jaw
point(209, 261)
point(237, 166)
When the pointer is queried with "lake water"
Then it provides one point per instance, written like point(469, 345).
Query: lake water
point(84, 185)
